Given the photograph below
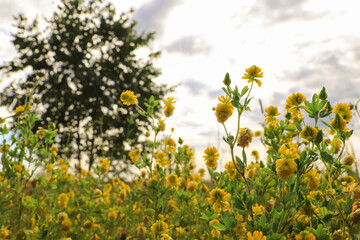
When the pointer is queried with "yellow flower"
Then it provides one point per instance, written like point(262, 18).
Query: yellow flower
point(312, 179)
point(338, 123)
point(212, 222)
point(4, 148)
point(285, 167)
point(294, 101)
point(169, 107)
point(62, 216)
point(66, 225)
point(251, 169)
point(308, 209)
point(255, 155)
point(219, 200)
point(170, 145)
point(211, 156)
point(305, 235)
point(172, 181)
point(22, 108)
point(252, 74)
point(215, 233)
point(128, 98)
point(5, 233)
point(224, 109)
point(161, 159)
point(231, 170)
point(315, 196)
point(240, 228)
point(258, 210)
point(112, 215)
point(256, 235)
point(161, 125)
point(309, 133)
point(63, 200)
point(355, 191)
point(344, 111)
point(270, 115)
point(159, 227)
point(245, 137)
point(104, 165)
point(17, 168)
point(191, 186)
point(134, 155)
point(347, 182)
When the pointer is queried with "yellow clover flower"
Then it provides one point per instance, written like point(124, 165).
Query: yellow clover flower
point(134, 155)
point(219, 200)
point(104, 165)
point(309, 133)
point(159, 227)
point(128, 98)
point(211, 156)
point(169, 107)
point(224, 109)
point(343, 110)
point(245, 137)
point(256, 235)
point(252, 74)
point(270, 115)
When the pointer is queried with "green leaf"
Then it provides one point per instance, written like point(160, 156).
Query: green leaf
point(219, 227)
point(244, 91)
point(204, 217)
point(309, 105)
point(268, 171)
point(327, 157)
point(244, 156)
point(319, 137)
point(290, 196)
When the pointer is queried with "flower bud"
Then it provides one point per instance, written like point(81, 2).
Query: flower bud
point(323, 95)
point(227, 80)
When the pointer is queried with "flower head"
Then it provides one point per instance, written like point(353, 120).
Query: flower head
point(343, 110)
point(104, 165)
point(224, 109)
point(309, 133)
point(245, 137)
point(169, 107)
point(211, 156)
point(312, 179)
point(134, 155)
point(338, 123)
point(128, 98)
point(270, 115)
point(253, 74)
point(159, 227)
point(172, 181)
point(161, 159)
point(256, 235)
point(219, 200)
point(22, 108)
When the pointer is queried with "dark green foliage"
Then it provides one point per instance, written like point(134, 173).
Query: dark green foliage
point(81, 63)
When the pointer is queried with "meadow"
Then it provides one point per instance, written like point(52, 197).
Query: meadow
point(307, 187)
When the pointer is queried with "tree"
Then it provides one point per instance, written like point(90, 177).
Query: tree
point(80, 64)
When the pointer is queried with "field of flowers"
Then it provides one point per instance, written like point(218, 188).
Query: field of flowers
point(306, 188)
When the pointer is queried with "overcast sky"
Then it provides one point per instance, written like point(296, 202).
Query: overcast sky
point(301, 45)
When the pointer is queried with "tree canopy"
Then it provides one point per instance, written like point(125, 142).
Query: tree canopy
point(81, 63)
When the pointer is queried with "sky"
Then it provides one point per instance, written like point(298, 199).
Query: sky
point(301, 46)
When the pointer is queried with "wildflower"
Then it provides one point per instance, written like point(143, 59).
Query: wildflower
point(257, 133)
point(66, 225)
point(348, 160)
point(128, 98)
point(215, 233)
point(294, 101)
point(170, 145)
point(104, 165)
point(201, 171)
point(88, 224)
point(255, 155)
point(212, 222)
point(224, 109)
point(245, 137)
point(315, 196)
point(191, 186)
point(5, 233)
point(172, 181)
point(22, 108)
point(343, 110)
point(270, 115)
point(258, 210)
point(180, 232)
point(17, 168)
point(62, 216)
point(355, 191)
point(172, 205)
point(161, 159)
point(4, 148)
point(141, 231)
point(305, 235)
point(169, 107)
point(286, 166)
point(159, 227)
point(191, 166)
point(240, 228)
point(211, 156)
point(134, 155)
point(252, 74)
point(312, 179)
point(309, 133)
point(218, 200)
point(256, 235)
point(63, 200)
point(338, 235)
point(41, 132)
point(308, 209)
point(147, 134)
point(303, 219)
point(231, 170)
point(338, 123)
point(347, 183)
point(112, 215)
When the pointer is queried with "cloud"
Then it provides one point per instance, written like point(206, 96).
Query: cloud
point(151, 16)
point(194, 86)
point(189, 45)
point(279, 11)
